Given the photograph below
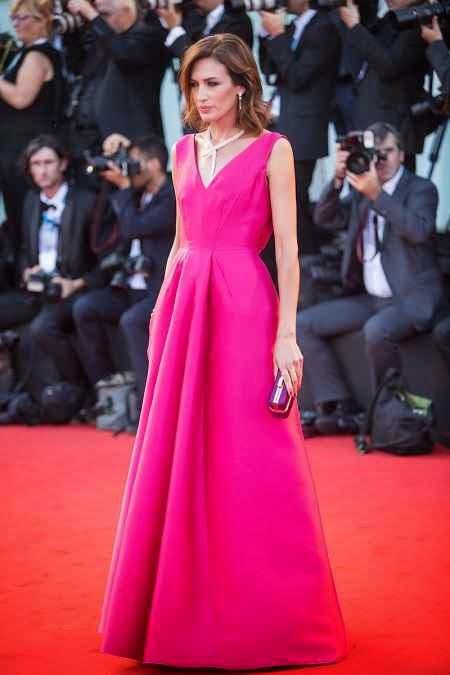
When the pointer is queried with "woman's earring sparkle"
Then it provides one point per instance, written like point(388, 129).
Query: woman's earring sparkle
point(240, 101)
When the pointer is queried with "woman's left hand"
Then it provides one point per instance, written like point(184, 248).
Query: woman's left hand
point(288, 358)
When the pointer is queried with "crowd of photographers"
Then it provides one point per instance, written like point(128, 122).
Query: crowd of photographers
point(90, 208)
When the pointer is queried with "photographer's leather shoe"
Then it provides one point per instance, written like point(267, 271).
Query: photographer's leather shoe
point(341, 420)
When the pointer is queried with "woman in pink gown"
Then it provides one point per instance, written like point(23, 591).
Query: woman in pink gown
point(219, 557)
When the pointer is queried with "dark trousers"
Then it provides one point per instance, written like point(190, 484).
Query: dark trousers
point(131, 309)
point(306, 233)
point(344, 106)
point(383, 324)
point(441, 337)
point(14, 187)
point(51, 329)
point(17, 307)
point(134, 325)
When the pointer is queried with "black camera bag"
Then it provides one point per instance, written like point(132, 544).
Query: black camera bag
point(397, 421)
point(57, 404)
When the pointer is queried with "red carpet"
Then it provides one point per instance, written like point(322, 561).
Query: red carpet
point(386, 520)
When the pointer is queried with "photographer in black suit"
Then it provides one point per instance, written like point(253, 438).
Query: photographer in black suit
point(218, 17)
point(391, 76)
point(304, 59)
point(134, 59)
point(56, 259)
point(389, 267)
point(145, 210)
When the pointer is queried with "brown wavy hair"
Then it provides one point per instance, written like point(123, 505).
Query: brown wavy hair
point(235, 55)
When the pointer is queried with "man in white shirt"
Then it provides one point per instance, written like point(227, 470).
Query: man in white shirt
point(302, 59)
point(389, 269)
point(219, 17)
point(57, 262)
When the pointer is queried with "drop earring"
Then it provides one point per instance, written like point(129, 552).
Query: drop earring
point(240, 101)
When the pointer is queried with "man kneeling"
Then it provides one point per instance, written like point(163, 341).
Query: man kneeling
point(389, 267)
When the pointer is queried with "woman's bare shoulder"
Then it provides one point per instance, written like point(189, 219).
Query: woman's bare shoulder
point(280, 154)
point(179, 144)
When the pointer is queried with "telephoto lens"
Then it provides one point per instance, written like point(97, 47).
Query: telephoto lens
point(421, 14)
point(257, 5)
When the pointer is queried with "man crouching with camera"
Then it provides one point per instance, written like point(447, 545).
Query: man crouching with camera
point(144, 204)
point(57, 263)
point(389, 267)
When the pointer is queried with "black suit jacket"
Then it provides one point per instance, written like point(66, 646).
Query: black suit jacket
point(154, 226)
point(439, 58)
point(393, 79)
point(128, 100)
point(76, 258)
point(306, 82)
point(408, 248)
point(236, 22)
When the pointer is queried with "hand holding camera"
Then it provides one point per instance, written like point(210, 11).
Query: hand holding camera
point(431, 33)
point(68, 286)
point(113, 143)
point(356, 159)
point(113, 146)
point(171, 15)
point(340, 166)
point(273, 22)
point(366, 183)
point(113, 174)
point(28, 271)
point(82, 8)
point(349, 14)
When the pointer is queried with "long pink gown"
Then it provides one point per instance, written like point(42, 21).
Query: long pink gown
point(219, 557)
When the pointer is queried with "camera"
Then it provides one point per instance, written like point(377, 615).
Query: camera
point(124, 267)
point(436, 105)
point(165, 4)
point(327, 5)
point(63, 21)
point(257, 5)
point(361, 146)
point(8, 49)
point(137, 265)
point(41, 283)
point(247, 5)
point(127, 166)
point(421, 14)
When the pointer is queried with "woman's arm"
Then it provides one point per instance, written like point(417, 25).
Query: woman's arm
point(34, 71)
point(176, 241)
point(287, 355)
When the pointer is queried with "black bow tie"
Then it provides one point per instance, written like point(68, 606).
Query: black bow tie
point(45, 207)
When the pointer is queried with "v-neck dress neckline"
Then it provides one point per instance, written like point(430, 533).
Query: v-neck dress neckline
point(231, 161)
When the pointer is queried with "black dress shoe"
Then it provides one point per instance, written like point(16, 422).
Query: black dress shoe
point(341, 420)
point(308, 419)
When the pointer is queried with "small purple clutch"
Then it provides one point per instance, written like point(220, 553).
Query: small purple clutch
point(280, 402)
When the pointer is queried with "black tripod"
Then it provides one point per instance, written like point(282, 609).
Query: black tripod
point(438, 139)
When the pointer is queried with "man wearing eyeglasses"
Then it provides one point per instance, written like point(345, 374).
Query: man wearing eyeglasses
point(389, 271)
